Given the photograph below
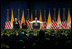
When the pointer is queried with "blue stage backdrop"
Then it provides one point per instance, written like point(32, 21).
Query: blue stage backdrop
point(32, 6)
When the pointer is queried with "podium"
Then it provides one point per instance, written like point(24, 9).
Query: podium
point(36, 24)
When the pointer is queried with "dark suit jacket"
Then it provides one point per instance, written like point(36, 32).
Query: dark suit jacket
point(16, 26)
point(24, 26)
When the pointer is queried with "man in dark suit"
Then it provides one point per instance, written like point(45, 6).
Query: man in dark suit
point(24, 25)
point(16, 24)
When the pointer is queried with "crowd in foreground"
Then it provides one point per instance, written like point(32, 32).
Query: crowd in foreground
point(36, 39)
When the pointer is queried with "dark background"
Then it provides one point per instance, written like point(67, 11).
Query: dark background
point(32, 5)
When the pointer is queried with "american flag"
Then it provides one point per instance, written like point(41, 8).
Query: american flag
point(28, 23)
point(64, 25)
point(44, 25)
point(7, 25)
point(69, 25)
point(59, 25)
point(20, 24)
point(54, 25)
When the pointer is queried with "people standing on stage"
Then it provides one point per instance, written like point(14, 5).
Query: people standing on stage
point(24, 25)
point(16, 24)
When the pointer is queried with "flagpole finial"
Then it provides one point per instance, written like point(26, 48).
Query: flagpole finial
point(18, 10)
point(28, 9)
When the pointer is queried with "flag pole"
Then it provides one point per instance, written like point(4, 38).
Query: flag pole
point(63, 14)
point(7, 14)
point(19, 18)
point(18, 14)
point(35, 13)
point(44, 15)
point(54, 14)
point(28, 13)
